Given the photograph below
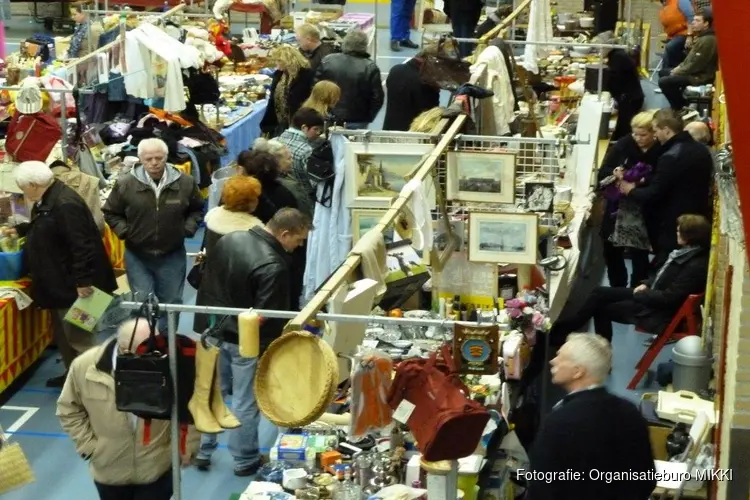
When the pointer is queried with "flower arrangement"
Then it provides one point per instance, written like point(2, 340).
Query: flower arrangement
point(528, 315)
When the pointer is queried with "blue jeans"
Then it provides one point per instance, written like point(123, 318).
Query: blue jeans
point(163, 276)
point(243, 441)
point(401, 12)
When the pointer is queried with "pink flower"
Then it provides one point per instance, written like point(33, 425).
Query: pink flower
point(515, 313)
point(514, 304)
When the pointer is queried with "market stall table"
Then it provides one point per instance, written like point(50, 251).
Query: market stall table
point(240, 135)
point(24, 334)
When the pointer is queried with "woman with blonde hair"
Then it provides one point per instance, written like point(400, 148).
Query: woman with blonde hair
point(290, 87)
point(624, 225)
point(323, 98)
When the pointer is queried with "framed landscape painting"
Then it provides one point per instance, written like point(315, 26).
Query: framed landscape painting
point(363, 220)
point(506, 238)
point(376, 173)
point(482, 177)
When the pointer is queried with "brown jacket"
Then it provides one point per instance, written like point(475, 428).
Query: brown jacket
point(88, 414)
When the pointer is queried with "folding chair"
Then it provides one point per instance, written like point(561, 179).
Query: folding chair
point(689, 313)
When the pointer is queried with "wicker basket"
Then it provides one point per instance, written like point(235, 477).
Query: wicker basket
point(15, 470)
point(296, 380)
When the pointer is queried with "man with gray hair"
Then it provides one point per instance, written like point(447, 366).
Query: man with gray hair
point(153, 208)
point(64, 253)
point(593, 444)
point(128, 457)
point(358, 76)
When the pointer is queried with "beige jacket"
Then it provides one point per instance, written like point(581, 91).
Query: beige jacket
point(87, 186)
point(113, 439)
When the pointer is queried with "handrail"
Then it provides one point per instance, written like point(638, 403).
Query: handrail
point(352, 260)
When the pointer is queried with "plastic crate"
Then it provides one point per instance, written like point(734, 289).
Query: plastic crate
point(11, 266)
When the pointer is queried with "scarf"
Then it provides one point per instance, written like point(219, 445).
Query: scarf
point(672, 256)
point(280, 102)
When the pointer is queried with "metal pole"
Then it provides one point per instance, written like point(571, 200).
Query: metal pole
point(375, 31)
point(523, 140)
point(268, 313)
point(175, 427)
point(145, 14)
point(384, 133)
point(600, 77)
point(546, 369)
point(550, 44)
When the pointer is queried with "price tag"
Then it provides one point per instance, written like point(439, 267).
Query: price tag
point(403, 411)
point(370, 343)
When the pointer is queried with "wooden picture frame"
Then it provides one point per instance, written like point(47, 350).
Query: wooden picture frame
point(481, 177)
point(376, 173)
point(364, 219)
point(507, 238)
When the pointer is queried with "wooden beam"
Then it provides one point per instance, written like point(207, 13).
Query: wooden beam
point(341, 275)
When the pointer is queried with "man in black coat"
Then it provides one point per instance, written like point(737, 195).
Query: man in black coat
point(407, 95)
point(651, 305)
point(359, 79)
point(248, 269)
point(593, 445)
point(681, 183)
point(64, 253)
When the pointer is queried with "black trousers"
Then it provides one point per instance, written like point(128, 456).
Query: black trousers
point(605, 305)
point(161, 489)
point(672, 87)
point(617, 272)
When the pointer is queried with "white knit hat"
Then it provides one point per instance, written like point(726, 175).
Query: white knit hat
point(29, 97)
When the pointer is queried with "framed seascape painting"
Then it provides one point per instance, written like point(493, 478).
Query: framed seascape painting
point(376, 173)
point(365, 219)
point(508, 238)
point(482, 177)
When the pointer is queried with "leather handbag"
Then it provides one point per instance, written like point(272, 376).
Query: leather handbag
point(32, 137)
point(446, 424)
point(143, 381)
point(444, 71)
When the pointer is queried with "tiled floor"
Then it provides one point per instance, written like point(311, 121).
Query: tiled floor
point(61, 475)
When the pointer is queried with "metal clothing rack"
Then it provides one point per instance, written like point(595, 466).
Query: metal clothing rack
point(173, 309)
point(71, 67)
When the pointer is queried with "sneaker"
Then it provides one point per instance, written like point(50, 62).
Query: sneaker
point(409, 44)
point(202, 464)
point(250, 470)
point(395, 46)
point(57, 382)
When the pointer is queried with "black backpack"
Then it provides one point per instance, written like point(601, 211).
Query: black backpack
point(321, 170)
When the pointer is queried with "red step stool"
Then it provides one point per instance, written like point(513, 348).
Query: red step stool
point(689, 313)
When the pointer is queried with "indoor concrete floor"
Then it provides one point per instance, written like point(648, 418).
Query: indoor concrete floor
point(28, 415)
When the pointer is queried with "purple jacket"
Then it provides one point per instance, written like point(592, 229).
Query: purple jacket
point(634, 174)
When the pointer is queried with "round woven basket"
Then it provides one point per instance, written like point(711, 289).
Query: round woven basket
point(296, 379)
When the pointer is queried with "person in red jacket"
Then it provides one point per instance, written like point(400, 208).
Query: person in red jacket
point(676, 17)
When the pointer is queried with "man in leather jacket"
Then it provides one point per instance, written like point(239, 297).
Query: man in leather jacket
point(248, 269)
point(359, 78)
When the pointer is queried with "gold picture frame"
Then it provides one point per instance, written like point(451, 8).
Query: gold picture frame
point(503, 238)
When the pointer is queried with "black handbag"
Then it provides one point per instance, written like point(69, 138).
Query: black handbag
point(143, 381)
